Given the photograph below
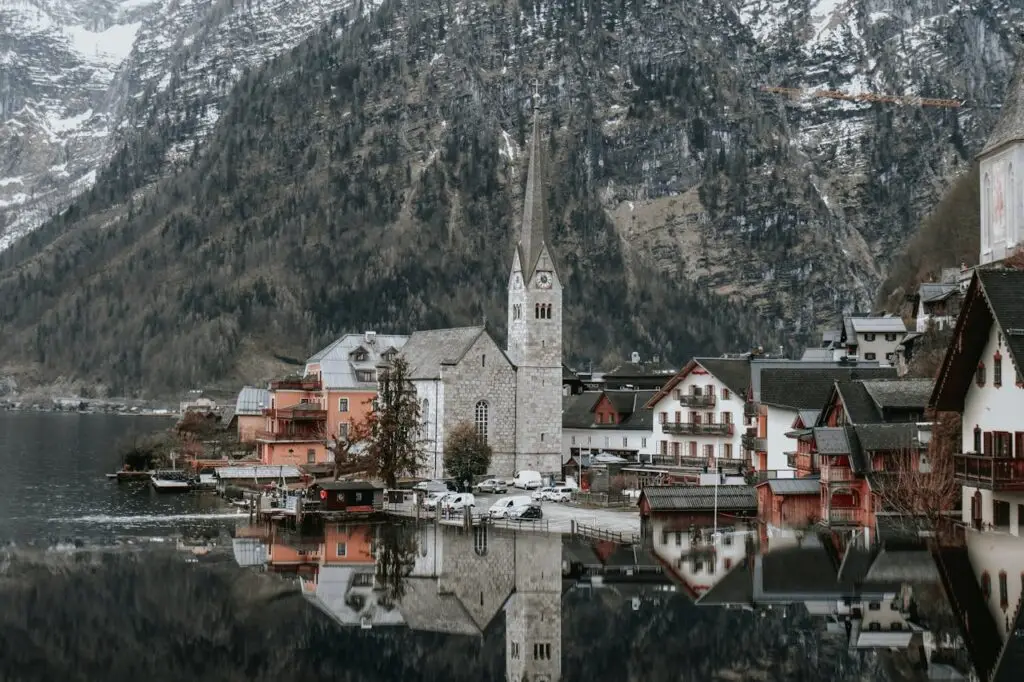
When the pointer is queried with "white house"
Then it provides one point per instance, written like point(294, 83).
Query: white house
point(616, 422)
point(937, 305)
point(698, 414)
point(872, 338)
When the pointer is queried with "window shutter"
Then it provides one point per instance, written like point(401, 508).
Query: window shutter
point(988, 443)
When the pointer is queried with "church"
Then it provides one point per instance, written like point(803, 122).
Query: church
point(513, 396)
point(1002, 182)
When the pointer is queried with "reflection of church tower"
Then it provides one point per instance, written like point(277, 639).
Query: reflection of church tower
point(533, 614)
point(535, 328)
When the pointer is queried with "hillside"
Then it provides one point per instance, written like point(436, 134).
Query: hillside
point(370, 178)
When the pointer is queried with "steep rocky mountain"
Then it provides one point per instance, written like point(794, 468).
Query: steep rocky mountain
point(371, 176)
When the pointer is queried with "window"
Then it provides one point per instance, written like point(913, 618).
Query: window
point(869, 337)
point(727, 417)
point(480, 419)
point(341, 549)
point(693, 448)
point(643, 443)
point(574, 440)
point(728, 563)
point(342, 404)
point(695, 390)
point(986, 585)
point(515, 311)
point(869, 356)
point(710, 417)
point(709, 451)
point(366, 376)
point(483, 360)
point(678, 417)
point(675, 449)
point(343, 430)
point(997, 369)
point(977, 438)
point(663, 417)
point(890, 337)
point(1004, 597)
point(728, 451)
point(663, 447)
point(425, 416)
point(979, 375)
point(725, 393)
point(625, 442)
point(698, 564)
point(311, 456)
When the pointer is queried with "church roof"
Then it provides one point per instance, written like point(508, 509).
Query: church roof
point(531, 238)
point(427, 351)
point(1010, 127)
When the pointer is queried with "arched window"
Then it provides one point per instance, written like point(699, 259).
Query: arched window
point(536, 310)
point(425, 416)
point(986, 585)
point(549, 311)
point(480, 419)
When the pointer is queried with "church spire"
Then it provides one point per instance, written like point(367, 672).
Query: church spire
point(531, 239)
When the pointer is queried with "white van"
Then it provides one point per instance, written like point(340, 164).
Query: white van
point(528, 480)
point(458, 501)
point(506, 507)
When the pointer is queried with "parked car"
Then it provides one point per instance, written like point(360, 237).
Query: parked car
point(541, 493)
point(431, 487)
point(505, 507)
point(528, 480)
point(530, 512)
point(459, 501)
point(559, 493)
point(491, 485)
point(431, 501)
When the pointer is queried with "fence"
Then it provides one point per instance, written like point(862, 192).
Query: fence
point(602, 535)
point(592, 499)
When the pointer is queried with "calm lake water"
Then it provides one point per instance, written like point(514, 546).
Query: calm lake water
point(123, 600)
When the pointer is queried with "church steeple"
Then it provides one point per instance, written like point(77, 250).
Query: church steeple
point(531, 237)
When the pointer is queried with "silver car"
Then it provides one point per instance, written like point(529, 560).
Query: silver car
point(491, 485)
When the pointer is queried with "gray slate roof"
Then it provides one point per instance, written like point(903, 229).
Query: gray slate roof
point(251, 401)
point(807, 388)
point(794, 486)
point(808, 417)
point(831, 440)
point(733, 372)
point(338, 367)
point(689, 498)
point(878, 325)
point(900, 394)
point(860, 408)
point(875, 437)
point(427, 351)
point(1010, 126)
point(930, 292)
point(259, 472)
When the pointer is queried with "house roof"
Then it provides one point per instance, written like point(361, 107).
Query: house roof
point(932, 292)
point(793, 486)
point(261, 472)
point(348, 485)
point(899, 394)
point(733, 372)
point(993, 297)
point(807, 388)
point(817, 354)
point(877, 437)
point(1010, 126)
point(860, 408)
point(427, 351)
point(807, 418)
point(338, 367)
point(251, 401)
point(879, 325)
point(831, 440)
point(688, 498)
point(578, 410)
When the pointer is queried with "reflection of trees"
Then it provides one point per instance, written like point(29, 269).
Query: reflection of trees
point(396, 554)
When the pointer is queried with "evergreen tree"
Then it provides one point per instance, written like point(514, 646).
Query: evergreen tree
point(466, 453)
point(393, 428)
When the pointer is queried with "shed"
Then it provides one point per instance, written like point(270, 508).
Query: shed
point(354, 497)
point(676, 508)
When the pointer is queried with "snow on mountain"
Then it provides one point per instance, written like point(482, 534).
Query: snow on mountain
point(79, 77)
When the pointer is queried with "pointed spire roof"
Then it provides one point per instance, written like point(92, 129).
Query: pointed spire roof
point(531, 237)
point(1010, 127)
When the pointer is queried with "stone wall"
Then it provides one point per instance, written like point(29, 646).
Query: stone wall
point(478, 567)
point(484, 373)
point(539, 412)
point(533, 615)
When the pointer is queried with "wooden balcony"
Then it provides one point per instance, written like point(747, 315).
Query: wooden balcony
point(752, 442)
point(990, 473)
point(692, 400)
point(312, 383)
point(691, 429)
point(831, 473)
point(303, 412)
point(299, 436)
point(802, 461)
point(750, 409)
point(844, 517)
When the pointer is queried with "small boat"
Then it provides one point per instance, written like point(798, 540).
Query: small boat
point(128, 476)
point(170, 481)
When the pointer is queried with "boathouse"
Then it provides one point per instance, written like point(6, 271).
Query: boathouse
point(354, 497)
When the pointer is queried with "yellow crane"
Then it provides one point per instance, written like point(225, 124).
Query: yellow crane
point(865, 97)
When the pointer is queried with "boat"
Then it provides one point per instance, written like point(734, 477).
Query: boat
point(128, 476)
point(170, 481)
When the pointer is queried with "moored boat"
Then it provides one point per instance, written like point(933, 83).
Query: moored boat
point(170, 481)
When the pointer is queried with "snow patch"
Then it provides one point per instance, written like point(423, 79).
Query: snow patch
point(111, 46)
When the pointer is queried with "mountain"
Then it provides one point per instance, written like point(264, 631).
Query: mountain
point(370, 177)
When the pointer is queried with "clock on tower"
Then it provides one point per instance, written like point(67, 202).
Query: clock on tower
point(544, 280)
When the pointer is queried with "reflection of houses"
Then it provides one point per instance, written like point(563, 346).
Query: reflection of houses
point(679, 522)
point(608, 569)
point(614, 422)
point(887, 597)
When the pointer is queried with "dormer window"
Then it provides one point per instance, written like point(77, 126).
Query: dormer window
point(997, 369)
point(979, 375)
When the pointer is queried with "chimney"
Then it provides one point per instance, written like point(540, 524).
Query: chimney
point(370, 337)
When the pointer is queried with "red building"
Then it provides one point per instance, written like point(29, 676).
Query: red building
point(296, 424)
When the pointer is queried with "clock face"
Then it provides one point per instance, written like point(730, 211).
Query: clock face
point(544, 280)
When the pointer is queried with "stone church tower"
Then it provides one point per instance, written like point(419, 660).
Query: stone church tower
point(533, 614)
point(535, 329)
point(1002, 178)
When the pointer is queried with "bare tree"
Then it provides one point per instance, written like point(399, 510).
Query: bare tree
point(922, 493)
point(344, 447)
point(394, 446)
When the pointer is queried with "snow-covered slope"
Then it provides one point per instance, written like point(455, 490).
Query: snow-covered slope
point(79, 77)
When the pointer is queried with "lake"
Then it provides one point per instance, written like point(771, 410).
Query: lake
point(96, 585)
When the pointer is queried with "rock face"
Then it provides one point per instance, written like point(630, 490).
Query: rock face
point(671, 167)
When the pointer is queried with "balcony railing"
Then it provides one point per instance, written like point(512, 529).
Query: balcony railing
point(728, 465)
point(691, 429)
point(803, 461)
point(293, 436)
point(297, 413)
point(844, 516)
point(991, 473)
point(696, 400)
point(297, 384)
point(835, 474)
point(754, 443)
point(750, 409)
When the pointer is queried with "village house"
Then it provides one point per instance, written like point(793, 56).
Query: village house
point(347, 371)
point(865, 337)
point(782, 391)
point(614, 422)
point(698, 413)
point(701, 531)
point(249, 416)
point(936, 304)
point(295, 428)
point(513, 396)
